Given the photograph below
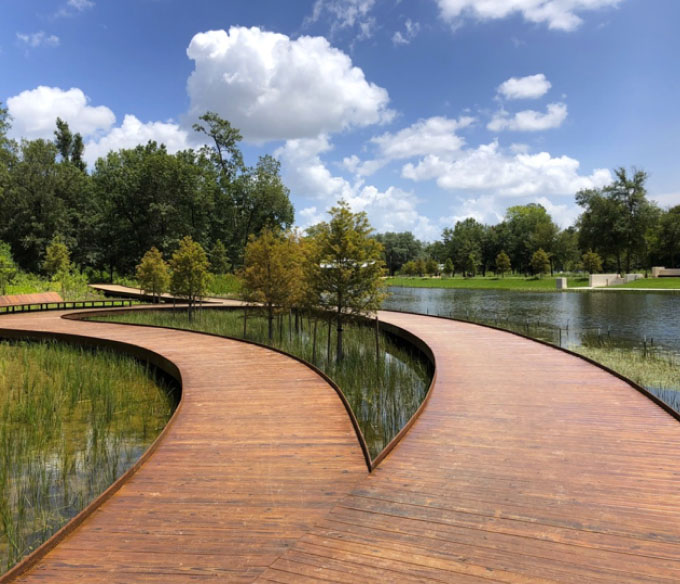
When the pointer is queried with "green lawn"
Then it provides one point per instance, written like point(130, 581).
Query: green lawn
point(665, 283)
point(546, 283)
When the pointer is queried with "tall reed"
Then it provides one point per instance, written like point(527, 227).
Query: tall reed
point(71, 421)
point(384, 388)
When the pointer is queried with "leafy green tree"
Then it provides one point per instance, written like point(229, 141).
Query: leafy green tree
point(347, 267)
point(431, 267)
point(273, 273)
point(503, 265)
point(153, 274)
point(32, 212)
point(410, 268)
point(464, 245)
point(566, 254)
point(399, 249)
point(261, 201)
point(69, 146)
point(219, 262)
point(668, 243)
point(636, 214)
point(189, 277)
point(540, 263)
point(592, 263)
point(617, 220)
point(448, 267)
point(225, 153)
point(530, 228)
point(57, 258)
point(8, 269)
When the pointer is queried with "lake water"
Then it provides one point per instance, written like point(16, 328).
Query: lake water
point(566, 318)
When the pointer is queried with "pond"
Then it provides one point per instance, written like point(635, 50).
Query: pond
point(566, 318)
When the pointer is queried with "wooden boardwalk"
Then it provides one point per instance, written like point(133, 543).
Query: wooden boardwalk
point(528, 465)
point(260, 451)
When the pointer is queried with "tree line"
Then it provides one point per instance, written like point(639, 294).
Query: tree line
point(335, 271)
point(619, 230)
point(134, 199)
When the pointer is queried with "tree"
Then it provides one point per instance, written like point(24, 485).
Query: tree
point(448, 267)
point(464, 245)
point(637, 214)
point(153, 274)
point(410, 268)
point(399, 249)
point(431, 267)
point(190, 276)
point(225, 137)
point(669, 237)
point(219, 262)
point(347, 267)
point(617, 220)
point(57, 258)
point(592, 263)
point(540, 263)
point(8, 269)
point(70, 146)
point(503, 265)
point(273, 273)
point(530, 228)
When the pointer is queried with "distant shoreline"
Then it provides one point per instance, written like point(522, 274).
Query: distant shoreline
point(516, 284)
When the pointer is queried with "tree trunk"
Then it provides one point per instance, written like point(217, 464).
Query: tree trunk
point(338, 354)
point(377, 342)
point(314, 343)
point(270, 320)
point(245, 321)
point(328, 348)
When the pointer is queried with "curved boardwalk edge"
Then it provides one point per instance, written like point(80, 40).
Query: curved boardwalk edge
point(264, 488)
point(529, 465)
point(72, 524)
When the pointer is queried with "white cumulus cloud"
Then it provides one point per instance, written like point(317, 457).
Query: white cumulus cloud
point(34, 112)
point(487, 170)
point(529, 87)
point(273, 88)
point(38, 39)
point(529, 120)
point(391, 209)
point(557, 14)
point(433, 135)
point(132, 132)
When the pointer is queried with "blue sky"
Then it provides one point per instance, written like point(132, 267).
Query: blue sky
point(420, 112)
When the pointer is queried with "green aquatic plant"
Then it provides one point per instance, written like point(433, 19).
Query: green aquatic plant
point(384, 388)
point(71, 421)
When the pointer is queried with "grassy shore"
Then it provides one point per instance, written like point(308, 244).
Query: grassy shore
point(71, 422)
point(383, 392)
point(545, 283)
point(662, 283)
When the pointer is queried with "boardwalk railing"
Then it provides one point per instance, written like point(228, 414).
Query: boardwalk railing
point(40, 306)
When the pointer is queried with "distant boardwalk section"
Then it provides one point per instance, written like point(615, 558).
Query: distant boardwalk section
point(41, 298)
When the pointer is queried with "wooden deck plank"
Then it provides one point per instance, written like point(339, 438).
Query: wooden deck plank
point(528, 465)
point(261, 450)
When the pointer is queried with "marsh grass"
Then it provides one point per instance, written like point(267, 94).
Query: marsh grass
point(652, 368)
point(71, 421)
point(383, 389)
